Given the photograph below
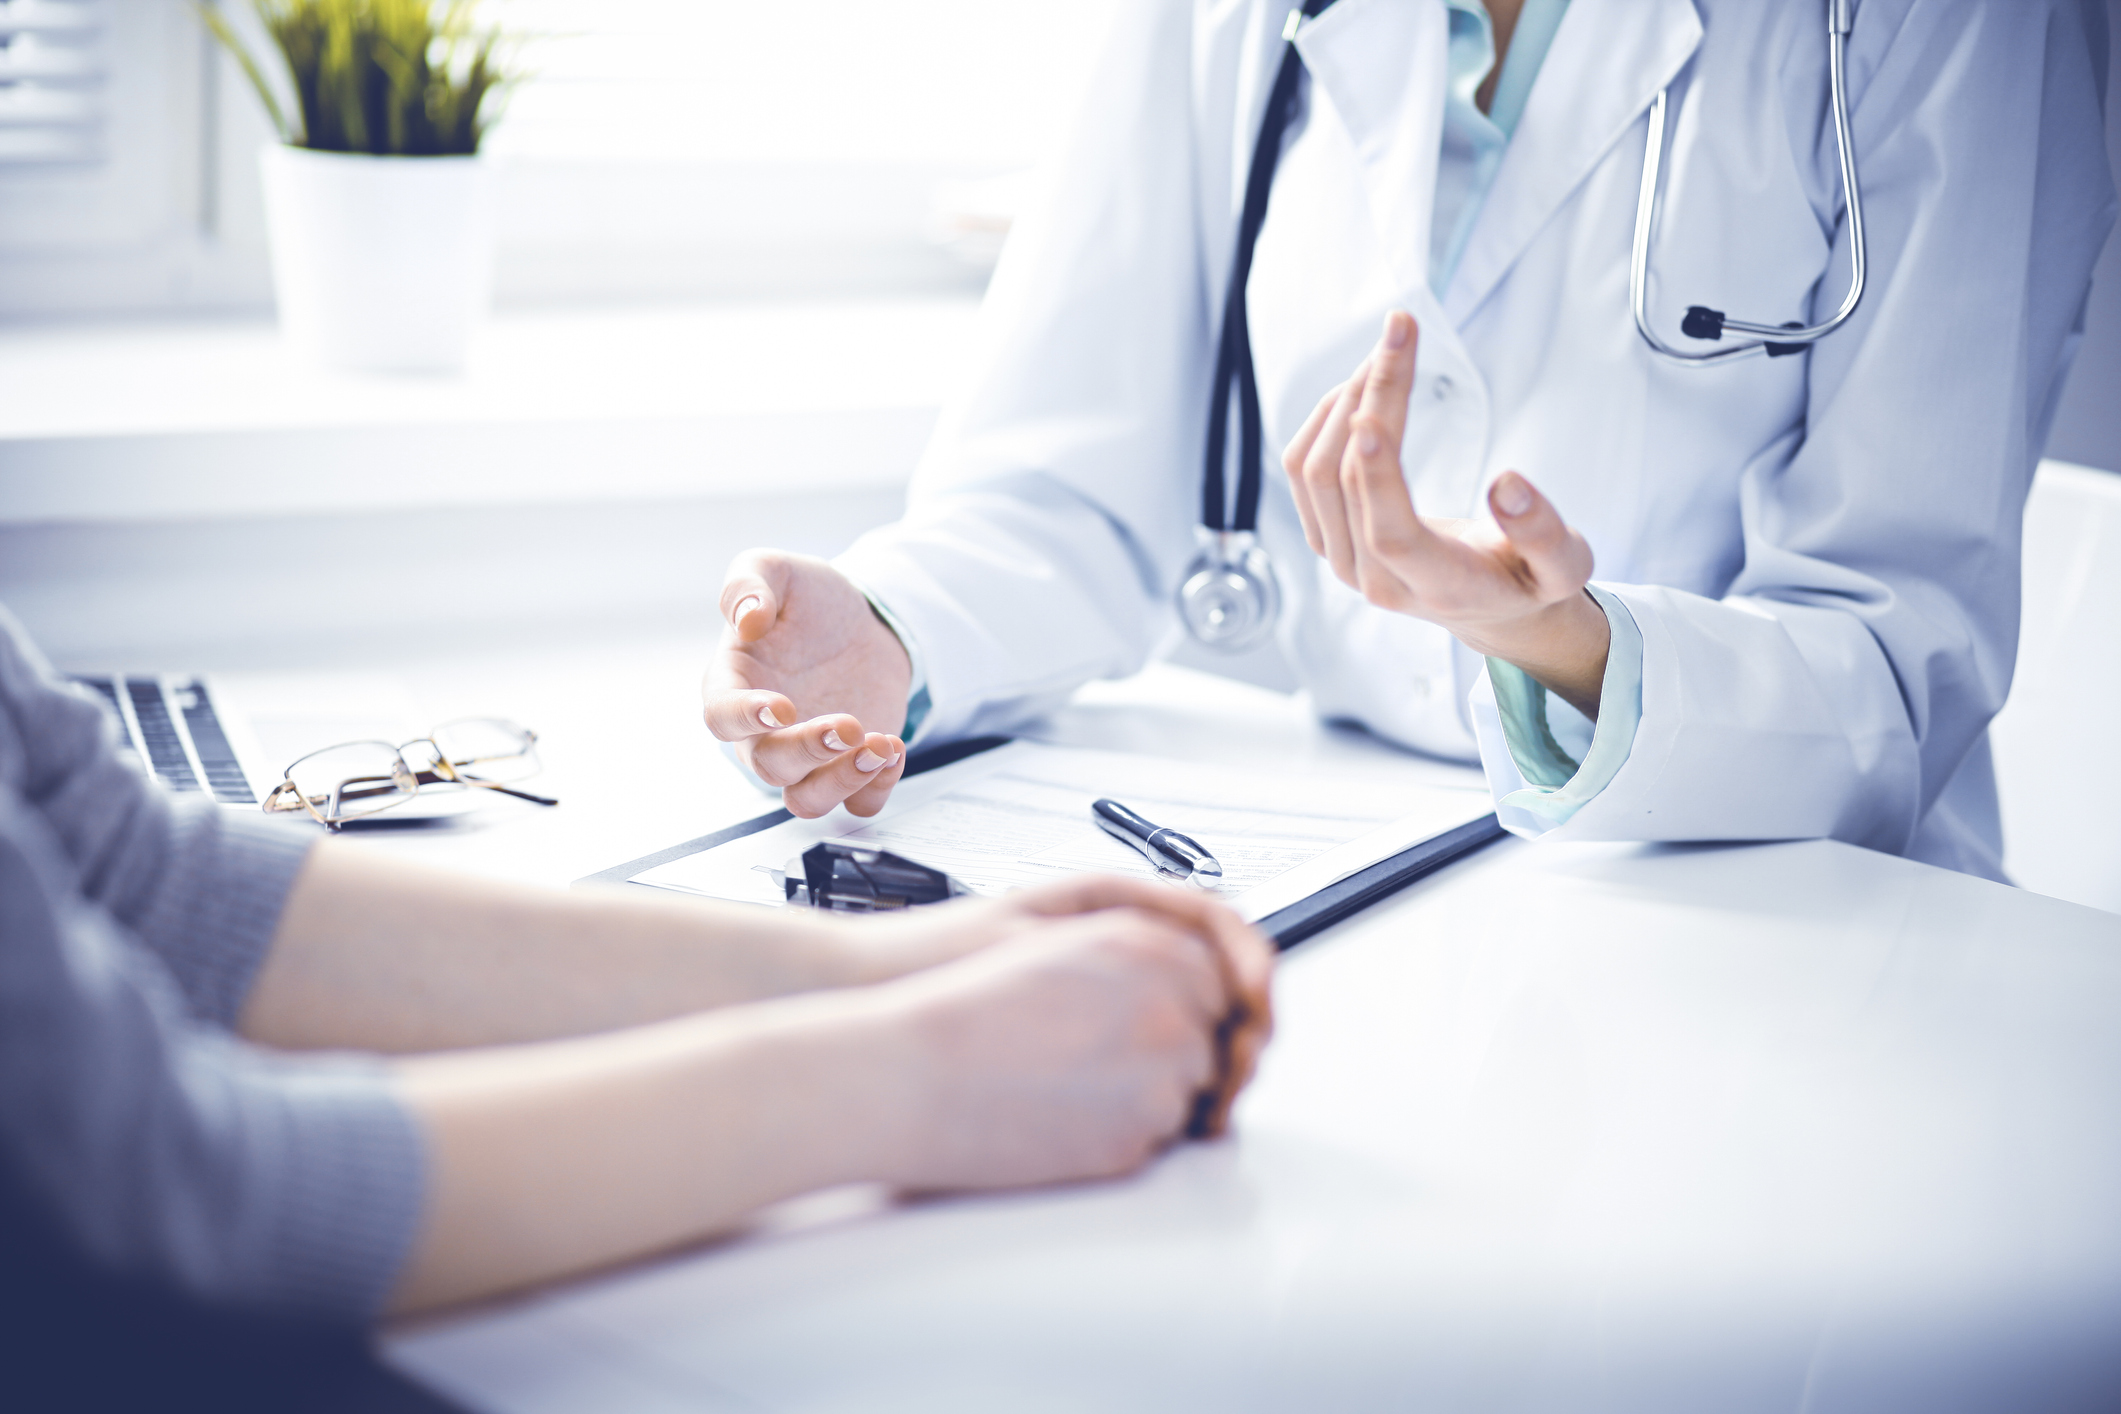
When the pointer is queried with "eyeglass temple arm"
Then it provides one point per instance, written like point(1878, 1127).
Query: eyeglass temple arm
point(465, 778)
point(518, 794)
point(425, 778)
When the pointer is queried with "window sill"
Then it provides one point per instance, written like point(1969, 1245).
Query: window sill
point(160, 421)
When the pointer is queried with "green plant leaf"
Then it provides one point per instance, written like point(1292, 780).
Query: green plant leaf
point(390, 77)
point(217, 24)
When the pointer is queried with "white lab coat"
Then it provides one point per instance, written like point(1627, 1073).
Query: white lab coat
point(1821, 552)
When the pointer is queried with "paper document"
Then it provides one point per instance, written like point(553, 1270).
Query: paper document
point(1020, 815)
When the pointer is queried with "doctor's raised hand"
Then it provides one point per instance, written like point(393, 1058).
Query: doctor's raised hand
point(809, 684)
point(1514, 590)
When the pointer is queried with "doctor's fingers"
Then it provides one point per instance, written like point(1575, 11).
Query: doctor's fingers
point(1393, 546)
point(873, 794)
point(1292, 463)
point(1557, 559)
point(855, 770)
point(1321, 475)
point(1396, 552)
point(736, 714)
point(1380, 419)
point(752, 593)
point(784, 757)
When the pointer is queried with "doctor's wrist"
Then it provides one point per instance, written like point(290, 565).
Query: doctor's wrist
point(1562, 646)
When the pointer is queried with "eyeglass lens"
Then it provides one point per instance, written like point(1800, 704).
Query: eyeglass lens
point(354, 779)
point(490, 748)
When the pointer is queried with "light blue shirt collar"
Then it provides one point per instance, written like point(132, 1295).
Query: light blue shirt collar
point(1473, 141)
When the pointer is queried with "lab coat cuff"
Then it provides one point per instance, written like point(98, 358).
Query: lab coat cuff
point(1538, 782)
point(918, 700)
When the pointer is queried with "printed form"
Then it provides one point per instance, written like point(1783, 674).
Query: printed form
point(1020, 815)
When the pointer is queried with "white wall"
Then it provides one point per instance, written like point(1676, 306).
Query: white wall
point(376, 586)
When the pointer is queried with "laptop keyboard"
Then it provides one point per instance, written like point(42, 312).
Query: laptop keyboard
point(174, 728)
point(157, 732)
point(216, 757)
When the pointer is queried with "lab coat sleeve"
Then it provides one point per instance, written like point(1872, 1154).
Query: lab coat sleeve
point(1855, 661)
point(1542, 782)
point(1051, 515)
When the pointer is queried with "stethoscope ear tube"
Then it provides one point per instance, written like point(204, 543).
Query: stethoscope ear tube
point(1710, 325)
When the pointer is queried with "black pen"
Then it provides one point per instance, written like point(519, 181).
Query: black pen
point(1174, 855)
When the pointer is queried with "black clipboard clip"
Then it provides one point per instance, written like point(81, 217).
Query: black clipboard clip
point(848, 878)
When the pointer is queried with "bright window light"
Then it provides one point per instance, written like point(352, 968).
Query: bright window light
point(966, 85)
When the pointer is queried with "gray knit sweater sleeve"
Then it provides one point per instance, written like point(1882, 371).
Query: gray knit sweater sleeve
point(130, 932)
point(199, 885)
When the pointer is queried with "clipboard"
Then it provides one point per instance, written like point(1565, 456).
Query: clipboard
point(1287, 927)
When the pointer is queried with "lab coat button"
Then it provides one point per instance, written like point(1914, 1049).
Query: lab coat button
point(1444, 386)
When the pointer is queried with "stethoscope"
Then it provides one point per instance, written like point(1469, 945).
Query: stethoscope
point(1229, 597)
point(1711, 325)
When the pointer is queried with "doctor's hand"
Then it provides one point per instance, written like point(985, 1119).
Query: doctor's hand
point(809, 684)
point(1514, 590)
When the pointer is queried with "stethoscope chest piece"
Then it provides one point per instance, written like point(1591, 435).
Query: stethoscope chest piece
point(1230, 598)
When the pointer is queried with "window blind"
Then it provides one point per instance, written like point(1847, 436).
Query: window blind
point(54, 76)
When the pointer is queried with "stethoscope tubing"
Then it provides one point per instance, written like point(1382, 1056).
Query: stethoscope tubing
point(1234, 374)
point(1649, 205)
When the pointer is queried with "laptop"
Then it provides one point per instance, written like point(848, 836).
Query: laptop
point(230, 738)
point(176, 730)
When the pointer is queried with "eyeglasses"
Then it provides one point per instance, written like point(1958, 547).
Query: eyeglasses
point(356, 779)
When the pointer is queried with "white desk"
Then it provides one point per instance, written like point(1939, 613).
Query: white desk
point(1780, 1127)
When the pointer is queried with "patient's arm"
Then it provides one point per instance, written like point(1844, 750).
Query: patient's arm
point(1074, 1049)
point(373, 953)
point(377, 954)
point(1063, 1032)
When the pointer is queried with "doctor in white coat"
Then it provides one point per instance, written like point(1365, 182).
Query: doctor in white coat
point(1762, 598)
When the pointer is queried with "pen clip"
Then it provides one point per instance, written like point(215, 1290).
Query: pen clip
point(1200, 864)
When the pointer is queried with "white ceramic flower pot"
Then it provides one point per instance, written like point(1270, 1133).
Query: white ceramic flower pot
point(381, 264)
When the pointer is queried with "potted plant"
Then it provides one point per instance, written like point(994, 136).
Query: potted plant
point(378, 206)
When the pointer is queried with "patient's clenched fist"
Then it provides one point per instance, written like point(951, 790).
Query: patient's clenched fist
point(1076, 1049)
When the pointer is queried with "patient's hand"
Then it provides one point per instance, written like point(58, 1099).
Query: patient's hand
point(1076, 1048)
point(877, 948)
point(1107, 1018)
point(809, 684)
